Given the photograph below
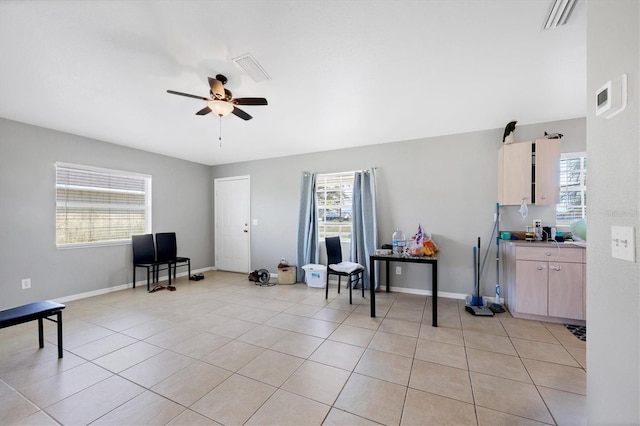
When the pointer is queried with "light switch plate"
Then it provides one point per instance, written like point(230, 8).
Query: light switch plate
point(623, 243)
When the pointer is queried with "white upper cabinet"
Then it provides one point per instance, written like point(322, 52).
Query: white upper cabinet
point(529, 171)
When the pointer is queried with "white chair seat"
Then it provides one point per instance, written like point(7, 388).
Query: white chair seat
point(346, 267)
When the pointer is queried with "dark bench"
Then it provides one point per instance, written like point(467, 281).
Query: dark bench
point(35, 311)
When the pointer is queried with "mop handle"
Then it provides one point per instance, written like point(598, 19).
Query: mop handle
point(497, 247)
point(479, 272)
point(486, 254)
point(495, 231)
point(475, 268)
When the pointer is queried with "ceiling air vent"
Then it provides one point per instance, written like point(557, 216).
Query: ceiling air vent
point(559, 13)
point(251, 67)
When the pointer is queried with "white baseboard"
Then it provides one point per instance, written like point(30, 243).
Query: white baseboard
point(405, 290)
point(421, 292)
point(122, 287)
point(418, 291)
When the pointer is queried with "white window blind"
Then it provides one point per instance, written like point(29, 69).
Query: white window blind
point(99, 206)
point(573, 188)
point(334, 200)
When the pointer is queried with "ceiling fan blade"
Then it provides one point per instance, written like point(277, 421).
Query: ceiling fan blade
point(250, 101)
point(204, 111)
point(240, 113)
point(216, 88)
point(173, 92)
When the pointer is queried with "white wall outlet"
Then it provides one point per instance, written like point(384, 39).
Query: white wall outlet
point(398, 270)
point(26, 283)
point(623, 243)
point(537, 223)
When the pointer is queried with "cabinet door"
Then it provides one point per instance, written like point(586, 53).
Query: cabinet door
point(547, 184)
point(531, 287)
point(566, 290)
point(514, 174)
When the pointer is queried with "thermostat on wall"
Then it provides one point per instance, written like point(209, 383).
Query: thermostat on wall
point(611, 98)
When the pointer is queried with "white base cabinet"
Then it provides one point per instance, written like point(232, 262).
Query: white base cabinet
point(545, 281)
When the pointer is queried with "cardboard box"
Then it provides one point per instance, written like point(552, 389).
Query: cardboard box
point(287, 275)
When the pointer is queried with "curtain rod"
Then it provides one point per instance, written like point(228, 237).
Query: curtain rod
point(341, 173)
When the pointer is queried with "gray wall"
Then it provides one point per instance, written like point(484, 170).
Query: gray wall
point(181, 194)
point(446, 184)
point(613, 285)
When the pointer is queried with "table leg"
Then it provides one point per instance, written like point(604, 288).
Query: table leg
point(387, 272)
point(59, 314)
point(40, 333)
point(434, 284)
point(372, 286)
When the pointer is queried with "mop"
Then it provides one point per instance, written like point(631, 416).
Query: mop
point(476, 307)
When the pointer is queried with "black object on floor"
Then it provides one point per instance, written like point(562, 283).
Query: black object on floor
point(496, 308)
point(261, 277)
point(479, 311)
point(196, 277)
point(578, 330)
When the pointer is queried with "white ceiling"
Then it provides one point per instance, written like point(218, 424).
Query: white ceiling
point(343, 74)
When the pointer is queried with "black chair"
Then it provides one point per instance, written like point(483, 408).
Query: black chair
point(144, 256)
point(335, 266)
point(168, 252)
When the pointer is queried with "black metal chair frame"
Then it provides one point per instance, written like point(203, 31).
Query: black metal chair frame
point(167, 249)
point(334, 257)
point(144, 256)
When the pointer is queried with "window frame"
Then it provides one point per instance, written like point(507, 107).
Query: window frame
point(342, 206)
point(581, 187)
point(147, 179)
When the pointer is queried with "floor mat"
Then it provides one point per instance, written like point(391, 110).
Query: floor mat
point(578, 330)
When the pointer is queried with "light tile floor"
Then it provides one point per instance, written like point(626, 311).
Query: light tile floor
point(225, 351)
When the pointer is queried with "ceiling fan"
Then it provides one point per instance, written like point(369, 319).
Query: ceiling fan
point(222, 102)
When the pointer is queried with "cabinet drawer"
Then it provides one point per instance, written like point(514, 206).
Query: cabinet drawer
point(550, 254)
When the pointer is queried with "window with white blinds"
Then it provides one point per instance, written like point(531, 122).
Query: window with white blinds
point(573, 188)
point(100, 206)
point(334, 194)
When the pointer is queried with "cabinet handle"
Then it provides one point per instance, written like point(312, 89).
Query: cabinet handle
point(544, 197)
point(548, 253)
point(540, 268)
point(556, 268)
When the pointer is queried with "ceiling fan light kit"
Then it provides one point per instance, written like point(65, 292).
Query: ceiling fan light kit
point(221, 108)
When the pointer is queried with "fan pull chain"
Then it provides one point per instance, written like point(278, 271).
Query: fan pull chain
point(220, 130)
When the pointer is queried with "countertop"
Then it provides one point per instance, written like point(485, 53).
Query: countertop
point(578, 244)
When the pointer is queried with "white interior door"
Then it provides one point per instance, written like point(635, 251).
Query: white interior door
point(232, 197)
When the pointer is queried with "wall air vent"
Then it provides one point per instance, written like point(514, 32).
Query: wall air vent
point(251, 67)
point(559, 13)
